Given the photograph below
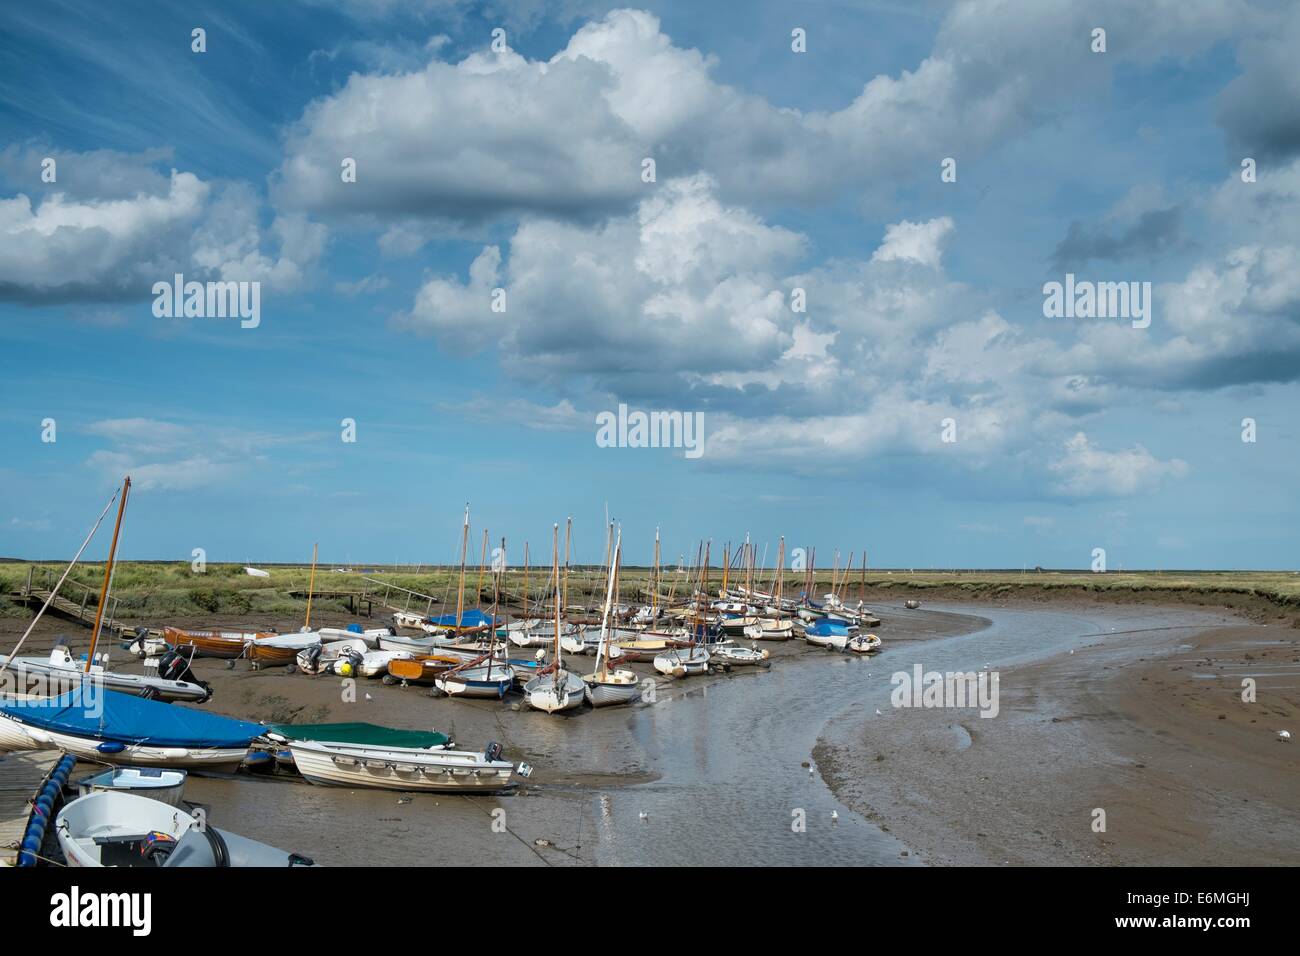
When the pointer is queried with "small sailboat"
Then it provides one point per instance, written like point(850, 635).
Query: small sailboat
point(485, 676)
point(773, 627)
point(606, 685)
point(693, 658)
point(556, 689)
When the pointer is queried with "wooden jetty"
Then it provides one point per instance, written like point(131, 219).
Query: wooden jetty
point(22, 775)
point(75, 601)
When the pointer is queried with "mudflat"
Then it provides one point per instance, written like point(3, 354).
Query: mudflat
point(1148, 726)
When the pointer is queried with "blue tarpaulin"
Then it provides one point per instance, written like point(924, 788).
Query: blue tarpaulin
point(473, 618)
point(107, 715)
point(824, 627)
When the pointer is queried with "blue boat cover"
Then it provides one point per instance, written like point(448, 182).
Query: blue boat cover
point(475, 618)
point(111, 716)
point(825, 627)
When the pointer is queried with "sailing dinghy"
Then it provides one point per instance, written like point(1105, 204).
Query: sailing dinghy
point(608, 686)
point(556, 689)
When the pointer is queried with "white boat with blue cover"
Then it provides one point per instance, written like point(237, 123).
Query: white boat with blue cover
point(106, 726)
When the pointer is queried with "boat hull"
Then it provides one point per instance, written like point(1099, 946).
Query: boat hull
point(15, 735)
point(612, 693)
point(400, 769)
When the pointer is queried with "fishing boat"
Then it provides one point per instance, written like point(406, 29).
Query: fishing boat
point(61, 672)
point(863, 644)
point(156, 783)
point(555, 689)
point(107, 828)
point(402, 768)
point(106, 726)
point(608, 686)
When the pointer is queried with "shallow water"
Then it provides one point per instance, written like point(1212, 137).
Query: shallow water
point(728, 756)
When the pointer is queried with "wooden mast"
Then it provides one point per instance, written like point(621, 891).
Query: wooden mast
point(311, 587)
point(108, 573)
point(460, 588)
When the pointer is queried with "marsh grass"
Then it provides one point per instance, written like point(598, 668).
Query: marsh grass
point(153, 589)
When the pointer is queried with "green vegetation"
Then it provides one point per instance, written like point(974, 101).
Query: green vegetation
point(153, 589)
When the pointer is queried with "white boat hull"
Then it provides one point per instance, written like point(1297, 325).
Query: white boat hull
point(399, 768)
point(15, 735)
point(682, 662)
point(551, 697)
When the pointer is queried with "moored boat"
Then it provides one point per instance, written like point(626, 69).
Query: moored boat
point(402, 768)
point(156, 783)
point(121, 829)
point(117, 728)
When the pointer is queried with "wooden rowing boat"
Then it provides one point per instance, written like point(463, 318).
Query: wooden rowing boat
point(220, 644)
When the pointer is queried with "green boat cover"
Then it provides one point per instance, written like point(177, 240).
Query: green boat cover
point(360, 733)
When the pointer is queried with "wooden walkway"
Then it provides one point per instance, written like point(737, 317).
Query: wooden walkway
point(21, 777)
point(75, 601)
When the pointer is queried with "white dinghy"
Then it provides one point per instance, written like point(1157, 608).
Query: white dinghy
point(402, 768)
point(120, 829)
point(165, 786)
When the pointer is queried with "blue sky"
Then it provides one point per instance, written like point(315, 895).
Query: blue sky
point(520, 168)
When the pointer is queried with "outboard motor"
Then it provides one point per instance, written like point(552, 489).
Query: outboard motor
point(492, 751)
point(313, 659)
point(175, 666)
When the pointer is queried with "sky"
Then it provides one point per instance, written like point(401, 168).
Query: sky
point(839, 267)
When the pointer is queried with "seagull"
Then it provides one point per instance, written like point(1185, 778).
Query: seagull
point(368, 697)
point(1284, 734)
point(878, 713)
point(644, 816)
point(835, 814)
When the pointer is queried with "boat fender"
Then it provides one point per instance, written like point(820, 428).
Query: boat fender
point(111, 747)
point(492, 751)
